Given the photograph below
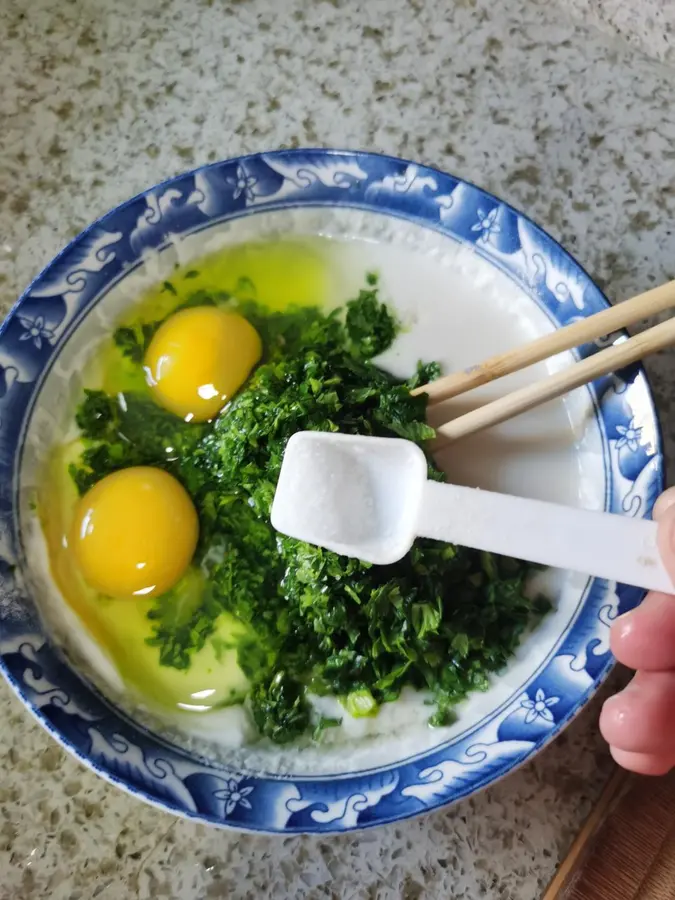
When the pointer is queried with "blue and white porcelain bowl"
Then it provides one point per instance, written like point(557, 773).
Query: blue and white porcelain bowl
point(471, 276)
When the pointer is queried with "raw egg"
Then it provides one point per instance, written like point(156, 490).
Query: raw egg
point(134, 533)
point(198, 360)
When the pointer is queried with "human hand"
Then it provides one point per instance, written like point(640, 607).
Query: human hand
point(639, 722)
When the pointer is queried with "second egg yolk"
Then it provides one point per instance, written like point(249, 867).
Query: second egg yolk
point(198, 360)
point(134, 533)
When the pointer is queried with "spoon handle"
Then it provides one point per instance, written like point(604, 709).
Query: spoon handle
point(599, 544)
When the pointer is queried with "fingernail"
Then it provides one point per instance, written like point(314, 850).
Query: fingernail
point(623, 626)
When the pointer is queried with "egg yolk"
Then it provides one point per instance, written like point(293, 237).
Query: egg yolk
point(134, 533)
point(198, 360)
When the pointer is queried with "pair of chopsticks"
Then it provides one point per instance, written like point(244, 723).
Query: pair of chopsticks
point(602, 363)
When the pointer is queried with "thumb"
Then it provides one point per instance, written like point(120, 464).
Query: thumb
point(664, 514)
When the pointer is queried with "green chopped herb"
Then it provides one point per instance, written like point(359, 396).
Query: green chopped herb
point(324, 724)
point(371, 328)
point(425, 373)
point(279, 708)
point(441, 620)
point(129, 429)
point(360, 704)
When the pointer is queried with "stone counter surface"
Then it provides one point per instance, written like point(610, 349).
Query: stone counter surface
point(567, 110)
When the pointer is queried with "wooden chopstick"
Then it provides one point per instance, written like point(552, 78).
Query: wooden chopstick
point(610, 360)
point(603, 323)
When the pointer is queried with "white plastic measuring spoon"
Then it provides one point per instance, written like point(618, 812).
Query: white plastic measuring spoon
point(369, 498)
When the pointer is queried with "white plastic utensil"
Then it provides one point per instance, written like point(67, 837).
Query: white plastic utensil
point(370, 498)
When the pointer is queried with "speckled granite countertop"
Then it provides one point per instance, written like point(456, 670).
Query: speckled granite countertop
point(567, 111)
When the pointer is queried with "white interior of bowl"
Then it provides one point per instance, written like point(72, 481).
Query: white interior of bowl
point(457, 309)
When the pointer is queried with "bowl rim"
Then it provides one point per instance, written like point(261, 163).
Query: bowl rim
point(379, 793)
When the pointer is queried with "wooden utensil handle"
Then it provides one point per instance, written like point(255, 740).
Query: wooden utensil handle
point(589, 329)
point(610, 360)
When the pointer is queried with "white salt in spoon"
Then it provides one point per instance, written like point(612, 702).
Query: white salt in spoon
point(369, 498)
